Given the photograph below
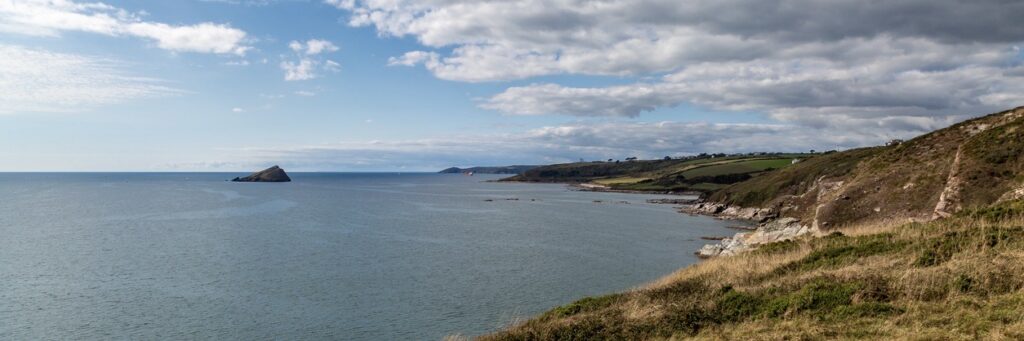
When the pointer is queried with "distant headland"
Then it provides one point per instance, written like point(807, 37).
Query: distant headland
point(519, 169)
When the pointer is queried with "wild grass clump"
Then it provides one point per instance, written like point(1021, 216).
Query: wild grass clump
point(837, 249)
point(779, 247)
point(938, 250)
point(583, 305)
point(999, 212)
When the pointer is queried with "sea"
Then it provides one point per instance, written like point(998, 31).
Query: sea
point(349, 256)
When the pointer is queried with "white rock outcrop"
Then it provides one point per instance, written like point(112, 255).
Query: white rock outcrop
point(770, 232)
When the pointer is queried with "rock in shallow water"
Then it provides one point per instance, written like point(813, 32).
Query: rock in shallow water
point(272, 174)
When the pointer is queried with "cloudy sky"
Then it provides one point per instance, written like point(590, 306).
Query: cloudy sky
point(402, 85)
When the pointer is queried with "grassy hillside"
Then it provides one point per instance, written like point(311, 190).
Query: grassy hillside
point(699, 174)
point(918, 241)
point(792, 180)
point(954, 279)
point(971, 164)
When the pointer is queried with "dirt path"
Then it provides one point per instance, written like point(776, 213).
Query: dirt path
point(945, 206)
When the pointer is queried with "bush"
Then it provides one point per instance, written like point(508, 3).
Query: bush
point(583, 305)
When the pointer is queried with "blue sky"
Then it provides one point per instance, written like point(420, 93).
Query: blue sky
point(418, 85)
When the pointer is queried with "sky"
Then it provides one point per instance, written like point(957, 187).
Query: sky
point(399, 85)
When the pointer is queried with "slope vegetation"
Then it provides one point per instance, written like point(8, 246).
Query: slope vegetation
point(972, 164)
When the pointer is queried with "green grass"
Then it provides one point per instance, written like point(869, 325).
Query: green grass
point(583, 305)
point(750, 166)
point(837, 250)
point(703, 175)
point(707, 176)
point(619, 180)
point(821, 297)
point(1001, 211)
point(794, 179)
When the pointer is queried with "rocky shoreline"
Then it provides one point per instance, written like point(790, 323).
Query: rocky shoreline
point(590, 187)
point(771, 228)
point(765, 224)
point(762, 225)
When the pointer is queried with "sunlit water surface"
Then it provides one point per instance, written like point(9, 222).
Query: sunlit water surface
point(328, 256)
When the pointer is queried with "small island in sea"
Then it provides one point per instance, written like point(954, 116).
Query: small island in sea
point(272, 174)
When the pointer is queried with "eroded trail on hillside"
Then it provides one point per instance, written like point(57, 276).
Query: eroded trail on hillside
point(826, 191)
point(945, 206)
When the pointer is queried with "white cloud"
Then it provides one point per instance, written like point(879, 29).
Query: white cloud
point(914, 63)
point(812, 91)
point(316, 46)
point(304, 69)
point(304, 93)
point(237, 110)
point(627, 101)
point(50, 17)
point(33, 80)
point(204, 38)
point(312, 46)
point(332, 66)
point(414, 58)
point(247, 2)
point(308, 63)
point(622, 37)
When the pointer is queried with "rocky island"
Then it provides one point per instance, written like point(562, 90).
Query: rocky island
point(272, 174)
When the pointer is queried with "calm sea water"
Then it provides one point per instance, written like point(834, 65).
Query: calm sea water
point(328, 256)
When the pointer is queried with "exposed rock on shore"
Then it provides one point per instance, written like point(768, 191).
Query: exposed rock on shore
point(770, 229)
point(665, 201)
point(770, 232)
point(272, 174)
point(730, 212)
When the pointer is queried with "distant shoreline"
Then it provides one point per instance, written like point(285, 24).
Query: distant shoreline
point(592, 187)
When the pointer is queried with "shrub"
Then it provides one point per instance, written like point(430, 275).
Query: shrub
point(583, 305)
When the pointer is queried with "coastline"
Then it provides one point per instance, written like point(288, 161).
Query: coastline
point(592, 187)
point(759, 225)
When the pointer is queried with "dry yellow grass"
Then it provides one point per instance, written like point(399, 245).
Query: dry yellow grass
point(620, 180)
point(955, 279)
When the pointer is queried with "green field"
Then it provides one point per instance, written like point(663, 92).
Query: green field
point(703, 175)
point(618, 181)
point(737, 167)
